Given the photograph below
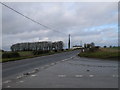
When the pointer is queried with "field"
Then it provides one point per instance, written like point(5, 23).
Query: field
point(103, 53)
point(27, 54)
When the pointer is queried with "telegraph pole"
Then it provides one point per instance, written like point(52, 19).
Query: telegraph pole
point(69, 42)
point(80, 43)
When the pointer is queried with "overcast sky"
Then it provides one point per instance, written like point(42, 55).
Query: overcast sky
point(87, 22)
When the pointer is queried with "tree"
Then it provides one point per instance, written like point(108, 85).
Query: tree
point(105, 46)
point(110, 46)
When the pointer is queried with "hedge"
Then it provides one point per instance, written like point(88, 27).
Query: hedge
point(10, 54)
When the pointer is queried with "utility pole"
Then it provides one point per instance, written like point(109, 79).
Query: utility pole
point(69, 42)
point(80, 43)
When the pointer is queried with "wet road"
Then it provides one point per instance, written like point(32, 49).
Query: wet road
point(68, 72)
point(14, 68)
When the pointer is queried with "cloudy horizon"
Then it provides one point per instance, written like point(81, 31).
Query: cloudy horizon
point(86, 21)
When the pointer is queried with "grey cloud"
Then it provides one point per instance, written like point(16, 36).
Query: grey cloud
point(73, 18)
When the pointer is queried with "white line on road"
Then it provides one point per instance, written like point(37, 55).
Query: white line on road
point(68, 58)
point(8, 86)
point(62, 75)
point(21, 81)
point(78, 75)
point(91, 75)
point(7, 81)
point(115, 75)
point(18, 77)
point(52, 64)
point(34, 75)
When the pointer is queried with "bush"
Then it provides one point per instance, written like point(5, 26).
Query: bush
point(105, 46)
point(40, 52)
point(10, 54)
point(55, 50)
point(66, 49)
point(93, 49)
point(62, 50)
point(1, 50)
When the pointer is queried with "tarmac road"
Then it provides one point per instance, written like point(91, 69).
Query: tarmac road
point(63, 70)
point(13, 68)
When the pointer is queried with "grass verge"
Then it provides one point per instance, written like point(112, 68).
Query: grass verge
point(29, 54)
point(102, 53)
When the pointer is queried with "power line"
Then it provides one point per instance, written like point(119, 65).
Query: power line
point(30, 18)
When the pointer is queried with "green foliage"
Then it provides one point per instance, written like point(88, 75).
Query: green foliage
point(10, 54)
point(93, 49)
point(25, 53)
point(40, 52)
point(103, 54)
point(30, 54)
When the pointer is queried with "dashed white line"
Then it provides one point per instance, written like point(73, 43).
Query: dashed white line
point(91, 75)
point(8, 86)
point(52, 64)
point(21, 81)
point(34, 75)
point(7, 81)
point(115, 75)
point(78, 75)
point(62, 75)
point(18, 77)
point(33, 72)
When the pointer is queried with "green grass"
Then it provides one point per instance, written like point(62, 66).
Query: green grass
point(103, 53)
point(29, 54)
point(25, 53)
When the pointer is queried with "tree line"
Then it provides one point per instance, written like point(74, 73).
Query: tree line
point(38, 46)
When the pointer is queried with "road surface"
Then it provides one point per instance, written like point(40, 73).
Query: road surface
point(63, 70)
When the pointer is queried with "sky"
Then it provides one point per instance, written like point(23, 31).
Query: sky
point(85, 21)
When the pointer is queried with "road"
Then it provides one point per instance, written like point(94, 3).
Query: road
point(62, 70)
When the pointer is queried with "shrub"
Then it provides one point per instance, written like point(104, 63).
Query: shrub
point(1, 50)
point(66, 49)
point(55, 50)
point(62, 50)
point(10, 54)
point(93, 49)
point(105, 46)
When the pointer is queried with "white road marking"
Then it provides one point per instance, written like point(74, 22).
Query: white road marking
point(8, 86)
point(33, 72)
point(78, 75)
point(115, 75)
point(18, 77)
point(62, 75)
point(7, 81)
point(67, 58)
point(52, 64)
point(34, 75)
point(21, 81)
point(91, 75)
